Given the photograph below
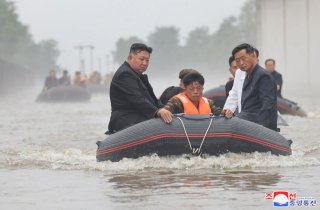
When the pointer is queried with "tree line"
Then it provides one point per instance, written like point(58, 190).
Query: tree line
point(202, 49)
point(18, 47)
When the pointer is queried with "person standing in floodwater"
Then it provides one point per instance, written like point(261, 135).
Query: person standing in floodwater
point(271, 68)
point(259, 96)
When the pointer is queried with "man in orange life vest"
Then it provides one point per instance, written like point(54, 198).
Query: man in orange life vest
point(190, 101)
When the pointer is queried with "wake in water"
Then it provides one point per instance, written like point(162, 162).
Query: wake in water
point(75, 159)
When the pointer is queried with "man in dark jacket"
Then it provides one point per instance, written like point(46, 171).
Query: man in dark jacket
point(132, 97)
point(51, 81)
point(232, 68)
point(259, 97)
point(65, 79)
point(271, 68)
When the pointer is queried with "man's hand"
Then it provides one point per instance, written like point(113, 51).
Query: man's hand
point(228, 113)
point(165, 115)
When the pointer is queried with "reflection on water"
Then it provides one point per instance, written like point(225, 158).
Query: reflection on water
point(192, 189)
point(237, 179)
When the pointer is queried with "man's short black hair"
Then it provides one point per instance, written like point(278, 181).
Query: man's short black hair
point(231, 59)
point(184, 72)
point(270, 59)
point(193, 77)
point(256, 51)
point(138, 47)
point(249, 49)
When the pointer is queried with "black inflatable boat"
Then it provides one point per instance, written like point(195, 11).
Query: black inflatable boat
point(285, 106)
point(65, 94)
point(191, 134)
point(98, 88)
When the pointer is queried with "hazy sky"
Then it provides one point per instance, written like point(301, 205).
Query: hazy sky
point(102, 22)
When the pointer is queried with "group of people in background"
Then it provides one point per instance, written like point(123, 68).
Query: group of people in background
point(79, 79)
point(253, 91)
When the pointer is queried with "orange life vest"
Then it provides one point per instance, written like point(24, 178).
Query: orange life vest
point(190, 108)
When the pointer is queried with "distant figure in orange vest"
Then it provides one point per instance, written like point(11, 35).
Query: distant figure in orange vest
point(79, 79)
point(190, 101)
point(95, 78)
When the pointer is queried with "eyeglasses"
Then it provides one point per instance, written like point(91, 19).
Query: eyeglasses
point(242, 58)
point(193, 89)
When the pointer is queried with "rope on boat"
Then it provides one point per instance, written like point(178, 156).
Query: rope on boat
point(195, 151)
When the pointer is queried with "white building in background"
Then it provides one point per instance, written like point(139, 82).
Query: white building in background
point(289, 32)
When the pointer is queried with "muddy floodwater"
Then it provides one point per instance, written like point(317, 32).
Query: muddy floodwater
point(47, 161)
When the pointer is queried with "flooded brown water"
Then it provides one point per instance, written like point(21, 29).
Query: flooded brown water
point(47, 161)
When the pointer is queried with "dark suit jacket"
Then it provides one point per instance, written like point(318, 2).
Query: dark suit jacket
point(51, 82)
point(278, 78)
point(228, 87)
point(132, 99)
point(259, 98)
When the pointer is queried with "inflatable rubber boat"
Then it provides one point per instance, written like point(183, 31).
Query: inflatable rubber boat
point(65, 94)
point(284, 106)
point(191, 134)
point(98, 88)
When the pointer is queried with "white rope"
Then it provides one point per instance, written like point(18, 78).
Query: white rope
point(185, 131)
point(205, 135)
point(195, 150)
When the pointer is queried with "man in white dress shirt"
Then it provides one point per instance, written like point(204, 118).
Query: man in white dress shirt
point(234, 99)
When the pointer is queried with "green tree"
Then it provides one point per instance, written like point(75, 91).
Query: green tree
point(13, 35)
point(167, 52)
point(232, 32)
point(247, 22)
point(208, 52)
point(17, 45)
point(196, 47)
point(44, 55)
point(123, 47)
point(222, 42)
